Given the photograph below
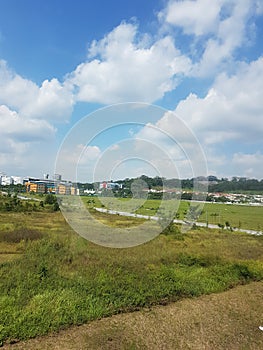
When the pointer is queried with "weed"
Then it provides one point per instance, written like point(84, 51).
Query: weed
point(61, 279)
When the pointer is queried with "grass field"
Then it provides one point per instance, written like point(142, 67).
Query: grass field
point(239, 216)
point(51, 278)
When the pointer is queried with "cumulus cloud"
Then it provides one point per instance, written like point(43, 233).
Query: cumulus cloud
point(219, 27)
point(125, 67)
point(232, 109)
point(18, 135)
point(13, 126)
point(190, 15)
point(50, 101)
point(180, 152)
point(231, 112)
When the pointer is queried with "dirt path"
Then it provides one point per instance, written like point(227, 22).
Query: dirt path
point(229, 320)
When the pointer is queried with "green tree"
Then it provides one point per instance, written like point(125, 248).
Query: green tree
point(55, 206)
point(50, 199)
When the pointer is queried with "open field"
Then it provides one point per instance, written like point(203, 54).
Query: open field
point(239, 216)
point(58, 279)
point(228, 320)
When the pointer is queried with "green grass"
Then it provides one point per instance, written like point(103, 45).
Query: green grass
point(60, 279)
point(239, 216)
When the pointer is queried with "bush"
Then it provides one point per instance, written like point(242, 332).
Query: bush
point(18, 235)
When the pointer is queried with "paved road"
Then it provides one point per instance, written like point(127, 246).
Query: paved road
point(200, 224)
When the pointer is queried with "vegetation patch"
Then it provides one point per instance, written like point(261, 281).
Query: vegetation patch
point(21, 234)
point(60, 279)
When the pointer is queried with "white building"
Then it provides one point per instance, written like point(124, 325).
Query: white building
point(6, 180)
point(17, 180)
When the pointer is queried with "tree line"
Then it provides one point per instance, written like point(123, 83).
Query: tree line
point(212, 183)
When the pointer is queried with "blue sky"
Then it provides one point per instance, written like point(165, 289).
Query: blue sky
point(201, 60)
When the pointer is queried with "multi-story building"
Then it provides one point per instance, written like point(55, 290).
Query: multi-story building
point(50, 186)
point(36, 186)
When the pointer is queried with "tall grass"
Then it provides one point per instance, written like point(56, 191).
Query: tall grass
point(61, 279)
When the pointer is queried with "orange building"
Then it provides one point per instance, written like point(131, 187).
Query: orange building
point(37, 187)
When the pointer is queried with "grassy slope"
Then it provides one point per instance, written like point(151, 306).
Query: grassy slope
point(62, 279)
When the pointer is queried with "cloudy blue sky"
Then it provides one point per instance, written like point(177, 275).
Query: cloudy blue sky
point(200, 59)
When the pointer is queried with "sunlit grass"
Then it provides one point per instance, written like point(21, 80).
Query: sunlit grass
point(239, 216)
point(59, 279)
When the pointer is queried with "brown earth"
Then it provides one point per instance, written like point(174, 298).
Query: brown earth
point(228, 320)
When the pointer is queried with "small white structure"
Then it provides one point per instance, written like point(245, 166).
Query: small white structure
point(92, 192)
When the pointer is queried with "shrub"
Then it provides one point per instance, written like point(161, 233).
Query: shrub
point(18, 235)
point(50, 199)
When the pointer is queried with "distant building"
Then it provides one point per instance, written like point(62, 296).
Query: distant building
point(109, 185)
point(103, 185)
point(62, 189)
point(57, 177)
point(36, 186)
point(17, 180)
point(51, 187)
point(6, 180)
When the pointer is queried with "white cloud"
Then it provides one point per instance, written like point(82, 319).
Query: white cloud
point(89, 154)
point(16, 128)
point(54, 101)
point(115, 147)
point(21, 140)
point(232, 109)
point(179, 153)
point(232, 33)
point(231, 112)
point(126, 68)
point(220, 27)
point(193, 16)
point(27, 114)
point(79, 155)
point(259, 7)
point(249, 160)
point(250, 165)
point(15, 91)
point(77, 162)
point(51, 101)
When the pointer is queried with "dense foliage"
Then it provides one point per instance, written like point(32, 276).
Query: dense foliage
point(12, 203)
